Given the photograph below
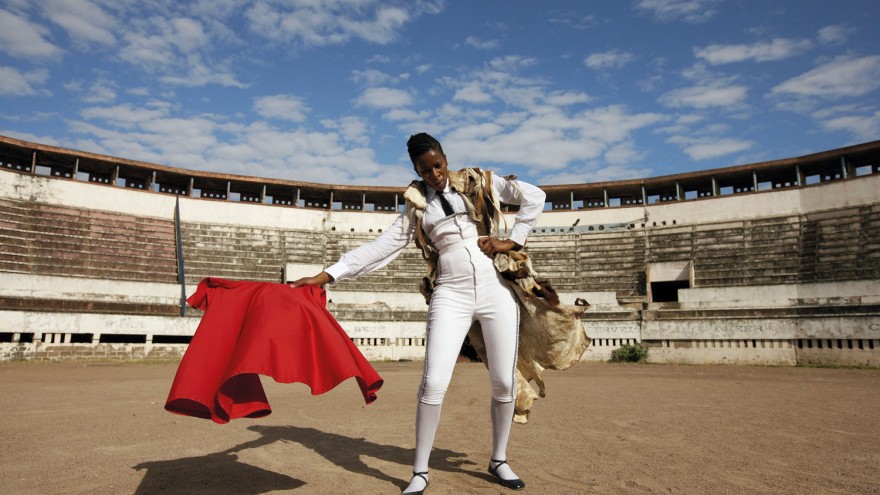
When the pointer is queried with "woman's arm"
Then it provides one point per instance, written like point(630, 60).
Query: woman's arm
point(531, 203)
point(367, 258)
point(320, 280)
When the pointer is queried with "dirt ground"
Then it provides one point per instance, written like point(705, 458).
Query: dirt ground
point(101, 429)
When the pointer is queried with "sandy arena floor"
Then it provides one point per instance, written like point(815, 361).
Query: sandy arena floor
point(100, 429)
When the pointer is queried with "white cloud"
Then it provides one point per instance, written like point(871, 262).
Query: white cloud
point(371, 77)
point(405, 115)
point(332, 23)
point(594, 173)
point(498, 79)
point(709, 147)
point(842, 77)
point(472, 93)
point(187, 34)
point(259, 149)
point(681, 125)
point(124, 115)
point(574, 19)
point(83, 20)
point(566, 98)
point(776, 49)
point(686, 10)
point(861, 127)
point(22, 38)
point(352, 129)
point(384, 97)
point(282, 107)
point(26, 136)
point(15, 83)
point(198, 74)
point(828, 112)
point(544, 139)
point(178, 49)
point(512, 63)
point(614, 59)
point(102, 91)
point(536, 127)
point(481, 44)
point(146, 50)
point(623, 153)
point(835, 34)
point(139, 91)
point(709, 95)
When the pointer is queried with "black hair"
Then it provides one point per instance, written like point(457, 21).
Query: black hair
point(421, 143)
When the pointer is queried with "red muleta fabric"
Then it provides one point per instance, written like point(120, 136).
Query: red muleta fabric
point(252, 328)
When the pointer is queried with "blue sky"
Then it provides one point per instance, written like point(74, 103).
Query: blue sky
point(553, 91)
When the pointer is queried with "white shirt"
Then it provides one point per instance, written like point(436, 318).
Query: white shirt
point(442, 230)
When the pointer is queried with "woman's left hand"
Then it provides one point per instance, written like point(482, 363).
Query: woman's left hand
point(493, 245)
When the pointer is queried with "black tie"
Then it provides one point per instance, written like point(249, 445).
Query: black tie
point(447, 208)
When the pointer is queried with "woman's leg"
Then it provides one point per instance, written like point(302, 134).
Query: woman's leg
point(499, 319)
point(449, 318)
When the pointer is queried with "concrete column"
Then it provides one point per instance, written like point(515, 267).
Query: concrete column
point(844, 169)
point(114, 176)
point(296, 201)
point(34, 162)
point(189, 189)
point(75, 168)
point(396, 204)
point(799, 175)
point(755, 180)
point(96, 338)
point(714, 187)
point(363, 201)
point(330, 206)
point(644, 195)
point(571, 201)
point(152, 180)
point(677, 191)
point(228, 189)
point(605, 196)
point(67, 338)
point(263, 194)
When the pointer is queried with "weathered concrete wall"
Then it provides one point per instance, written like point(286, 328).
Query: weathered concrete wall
point(101, 264)
point(794, 201)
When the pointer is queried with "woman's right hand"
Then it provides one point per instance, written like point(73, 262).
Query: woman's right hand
point(319, 280)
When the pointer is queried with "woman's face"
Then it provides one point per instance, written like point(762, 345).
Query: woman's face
point(431, 167)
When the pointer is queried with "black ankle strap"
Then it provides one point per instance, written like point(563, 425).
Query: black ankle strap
point(421, 475)
point(499, 462)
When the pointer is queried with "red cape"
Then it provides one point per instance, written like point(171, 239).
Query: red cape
point(252, 328)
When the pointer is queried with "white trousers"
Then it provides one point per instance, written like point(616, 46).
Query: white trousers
point(469, 288)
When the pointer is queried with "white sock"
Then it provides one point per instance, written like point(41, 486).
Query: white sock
point(427, 419)
point(502, 418)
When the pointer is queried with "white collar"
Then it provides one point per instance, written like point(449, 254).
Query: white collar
point(448, 189)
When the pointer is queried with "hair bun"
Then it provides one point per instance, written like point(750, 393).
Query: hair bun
point(421, 143)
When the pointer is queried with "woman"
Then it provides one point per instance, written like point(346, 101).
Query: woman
point(467, 287)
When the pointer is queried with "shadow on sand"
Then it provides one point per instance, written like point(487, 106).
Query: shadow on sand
point(221, 473)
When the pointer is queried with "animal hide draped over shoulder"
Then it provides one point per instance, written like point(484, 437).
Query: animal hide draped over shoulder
point(551, 334)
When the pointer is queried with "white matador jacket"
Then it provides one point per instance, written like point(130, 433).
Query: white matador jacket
point(551, 335)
